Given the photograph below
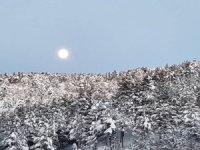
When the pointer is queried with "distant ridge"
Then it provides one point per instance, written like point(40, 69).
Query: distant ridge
point(160, 106)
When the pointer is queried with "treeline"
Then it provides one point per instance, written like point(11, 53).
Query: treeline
point(45, 111)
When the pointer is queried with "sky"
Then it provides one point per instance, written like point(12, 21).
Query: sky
point(101, 35)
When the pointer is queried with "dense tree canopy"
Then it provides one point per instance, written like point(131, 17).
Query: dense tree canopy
point(161, 107)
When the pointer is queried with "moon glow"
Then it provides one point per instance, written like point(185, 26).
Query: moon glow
point(63, 53)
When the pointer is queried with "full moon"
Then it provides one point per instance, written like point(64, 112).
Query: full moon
point(63, 53)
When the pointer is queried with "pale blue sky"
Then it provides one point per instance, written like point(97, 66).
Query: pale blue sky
point(102, 35)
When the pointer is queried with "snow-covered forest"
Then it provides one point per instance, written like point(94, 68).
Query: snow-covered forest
point(158, 108)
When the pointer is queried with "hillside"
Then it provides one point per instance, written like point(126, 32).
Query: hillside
point(160, 107)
